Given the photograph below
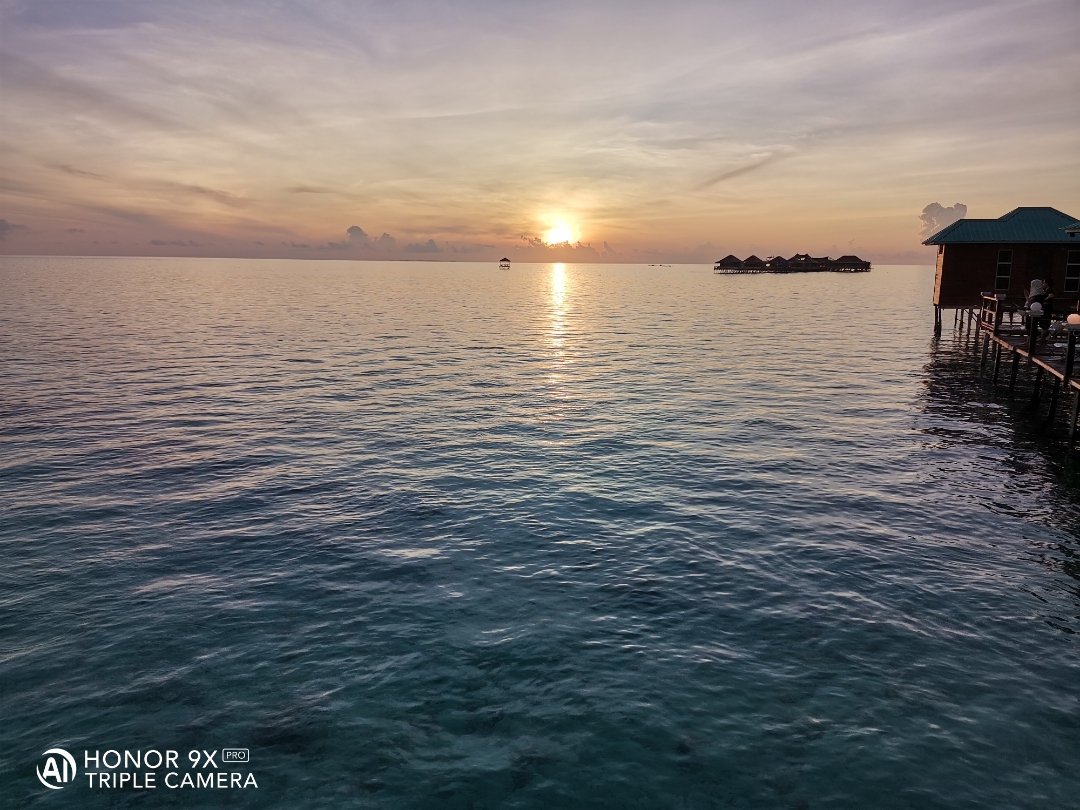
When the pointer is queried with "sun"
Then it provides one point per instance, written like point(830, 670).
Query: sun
point(561, 232)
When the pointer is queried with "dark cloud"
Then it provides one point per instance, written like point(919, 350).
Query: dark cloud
point(223, 197)
point(128, 216)
point(76, 230)
point(536, 248)
point(356, 234)
point(68, 169)
point(309, 190)
point(387, 242)
point(7, 227)
point(427, 247)
point(936, 216)
point(175, 243)
point(335, 246)
point(740, 171)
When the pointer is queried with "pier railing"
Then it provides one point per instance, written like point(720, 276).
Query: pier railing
point(1048, 345)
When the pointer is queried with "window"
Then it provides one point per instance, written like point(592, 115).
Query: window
point(1072, 271)
point(1004, 270)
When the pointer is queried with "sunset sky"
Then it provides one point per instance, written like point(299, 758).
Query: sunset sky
point(470, 130)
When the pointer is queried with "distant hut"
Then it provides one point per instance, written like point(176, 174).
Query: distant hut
point(753, 261)
point(849, 264)
point(1004, 255)
point(504, 264)
point(778, 263)
point(729, 262)
point(800, 260)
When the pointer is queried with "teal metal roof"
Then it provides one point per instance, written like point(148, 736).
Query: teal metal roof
point(1074, 228)
point(1040, 225)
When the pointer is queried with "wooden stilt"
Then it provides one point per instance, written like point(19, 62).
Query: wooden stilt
point(1012, 373)
point(1038, 388)
point(986, 348)
point(997, 362)
point(1074, 419)
point(1053, 402)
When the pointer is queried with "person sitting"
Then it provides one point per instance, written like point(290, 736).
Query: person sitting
point(1041, 294)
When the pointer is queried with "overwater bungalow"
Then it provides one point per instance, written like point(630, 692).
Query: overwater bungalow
point(799, 263)
point(1004, 255)
point(504, 263)
point(849, 264)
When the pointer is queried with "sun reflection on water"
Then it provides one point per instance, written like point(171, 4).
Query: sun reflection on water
point(558, 326)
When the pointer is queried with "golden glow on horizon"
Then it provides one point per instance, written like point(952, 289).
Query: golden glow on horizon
point(561, 232)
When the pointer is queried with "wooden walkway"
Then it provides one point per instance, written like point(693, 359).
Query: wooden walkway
point(1018, 339)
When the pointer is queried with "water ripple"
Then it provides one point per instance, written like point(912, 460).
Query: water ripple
point(568, 536)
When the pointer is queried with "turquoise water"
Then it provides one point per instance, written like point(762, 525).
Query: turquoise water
point(443, 536)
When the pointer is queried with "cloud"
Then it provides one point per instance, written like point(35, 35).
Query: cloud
point(936, 216)
point(223, 197)
point(357, 235)
point(175, 242)
point(76, 230)
point(427, 247)
point(127, 216)
point(67, 168)
point(309, 190)
point(471, 248)
point(24, 76)
point(609, 252)
point(101, 14)
point(7, 227)
point(539, 250)
point(335, 246)
point(729, 174)
point(387, 242)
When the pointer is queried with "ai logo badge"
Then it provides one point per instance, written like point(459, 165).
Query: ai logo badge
point(57, 773)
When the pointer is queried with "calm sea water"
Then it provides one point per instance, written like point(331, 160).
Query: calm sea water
point(444, 536)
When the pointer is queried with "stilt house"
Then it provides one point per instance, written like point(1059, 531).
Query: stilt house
point(1004, 255)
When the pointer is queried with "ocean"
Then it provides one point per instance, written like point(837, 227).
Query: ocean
point(439, 535)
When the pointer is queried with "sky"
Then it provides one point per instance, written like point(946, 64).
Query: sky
point(674, 131)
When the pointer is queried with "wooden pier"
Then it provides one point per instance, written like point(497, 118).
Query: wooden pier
point(1005, 335)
